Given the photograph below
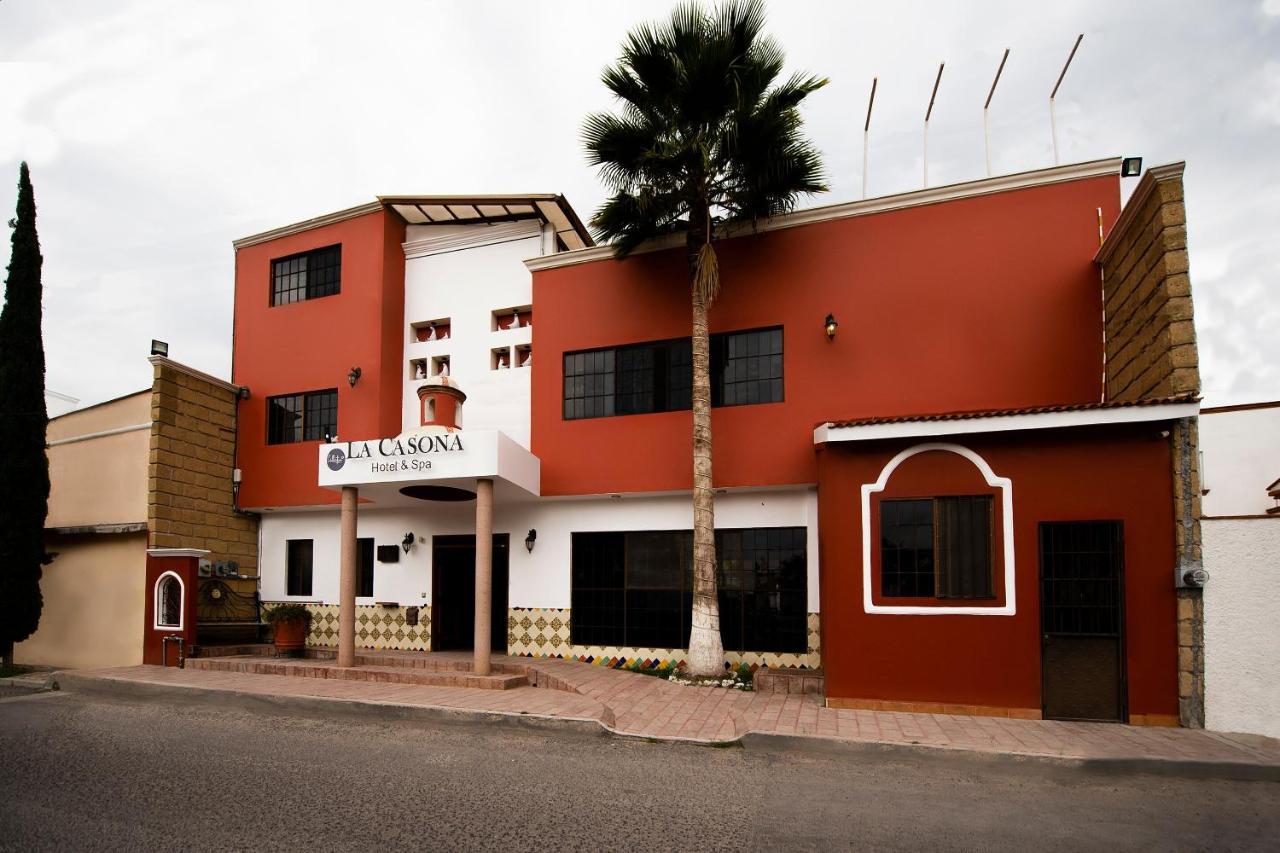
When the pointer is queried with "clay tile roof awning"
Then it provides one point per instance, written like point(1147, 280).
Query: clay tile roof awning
point(491, 209)
point(995, 420)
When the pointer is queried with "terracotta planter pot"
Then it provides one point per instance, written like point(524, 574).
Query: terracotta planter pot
point(290, 636)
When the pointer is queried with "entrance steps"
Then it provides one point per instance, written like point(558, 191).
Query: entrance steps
point(379, 668)
point(789, 681)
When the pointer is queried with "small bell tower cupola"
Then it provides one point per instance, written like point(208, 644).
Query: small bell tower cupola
point(440, 401)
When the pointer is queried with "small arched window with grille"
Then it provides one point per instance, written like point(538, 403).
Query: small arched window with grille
point(169, 601)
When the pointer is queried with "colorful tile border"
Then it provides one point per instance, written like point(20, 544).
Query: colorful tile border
point(376, 627)
point(544, 632)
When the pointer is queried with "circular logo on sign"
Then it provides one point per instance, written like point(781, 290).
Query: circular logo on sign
point(336, 459)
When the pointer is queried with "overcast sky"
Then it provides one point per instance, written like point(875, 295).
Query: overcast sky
point(158, 131)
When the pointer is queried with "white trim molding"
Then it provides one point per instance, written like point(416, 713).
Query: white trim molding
point(177, 552)
point(923, 427)
point(162, 361)
point(1004, 484)
point(89, 436)
point(863, 207)
point(308, 224)
point(156, 603)
point(1154, 176)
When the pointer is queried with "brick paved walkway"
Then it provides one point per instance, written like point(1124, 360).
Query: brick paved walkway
point(641, 705)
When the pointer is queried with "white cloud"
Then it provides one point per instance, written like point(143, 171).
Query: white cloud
point(158, 132)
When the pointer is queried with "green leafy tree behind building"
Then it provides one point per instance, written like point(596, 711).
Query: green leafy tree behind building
point(24, 466)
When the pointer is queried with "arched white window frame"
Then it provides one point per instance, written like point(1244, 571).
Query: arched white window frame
point(156, 602)
point(1004, 484)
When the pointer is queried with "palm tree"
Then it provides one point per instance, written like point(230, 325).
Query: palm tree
point(705, 138)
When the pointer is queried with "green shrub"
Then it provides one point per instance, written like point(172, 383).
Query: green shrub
point(286, 613)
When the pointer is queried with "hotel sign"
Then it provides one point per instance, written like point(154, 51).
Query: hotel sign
point(452, 457)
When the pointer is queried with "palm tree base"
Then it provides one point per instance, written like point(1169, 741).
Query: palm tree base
point(706, 653)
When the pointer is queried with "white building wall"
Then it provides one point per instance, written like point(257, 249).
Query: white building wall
point(1241, 626)
point(537, 580)
point(1240, 457)
point(448, 276)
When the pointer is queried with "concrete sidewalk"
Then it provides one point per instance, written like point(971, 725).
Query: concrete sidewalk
point(635, 705)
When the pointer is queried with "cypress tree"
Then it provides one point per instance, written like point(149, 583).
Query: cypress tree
point(24, 466)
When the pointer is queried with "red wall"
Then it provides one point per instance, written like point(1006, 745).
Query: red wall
point(311, 345)
point(981, 303)
point(1062, 475)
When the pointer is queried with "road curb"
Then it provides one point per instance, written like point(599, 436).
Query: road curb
point(363, 709)
point(1239, 771)
point(369, 710)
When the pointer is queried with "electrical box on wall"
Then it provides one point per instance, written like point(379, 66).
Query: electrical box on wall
point(388, 554)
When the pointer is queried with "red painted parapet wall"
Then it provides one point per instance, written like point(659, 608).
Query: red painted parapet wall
point(311, 346)
point(979, 303)
point(993, 661)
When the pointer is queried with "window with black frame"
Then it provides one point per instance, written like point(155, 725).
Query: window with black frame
point(633, 589)
point(308, 275)
point(311, 416)
point(936, 547)
point(298, 554)
point(657, 376)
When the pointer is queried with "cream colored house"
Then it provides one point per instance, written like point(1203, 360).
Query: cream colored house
point(151, 469)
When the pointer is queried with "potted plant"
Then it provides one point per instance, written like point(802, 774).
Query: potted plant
point(289, 625)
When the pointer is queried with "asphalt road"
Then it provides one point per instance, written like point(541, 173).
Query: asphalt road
point(81, 772)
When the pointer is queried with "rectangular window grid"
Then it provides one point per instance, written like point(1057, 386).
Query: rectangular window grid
point(937, 547)
point(298, 567)
point(1080, 583)
point(311, 416)
point(308, 275)
point(634, 589)
point(746, 368)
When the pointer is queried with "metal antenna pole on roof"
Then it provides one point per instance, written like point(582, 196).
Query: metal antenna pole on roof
point(927, 114)
point(866, 134)
point(1053, 124)
point(986, 134)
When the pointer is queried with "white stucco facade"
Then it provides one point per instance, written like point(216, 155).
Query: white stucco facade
point(1241, 625)
point(538, 579)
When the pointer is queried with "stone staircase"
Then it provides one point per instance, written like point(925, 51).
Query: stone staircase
point(382, 668)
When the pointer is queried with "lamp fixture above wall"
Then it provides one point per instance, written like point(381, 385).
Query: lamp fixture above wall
point(1131, 167)
point(830, 325)
point(159, 348)
point(407, 542)
point(353, 376)
point(530, 539)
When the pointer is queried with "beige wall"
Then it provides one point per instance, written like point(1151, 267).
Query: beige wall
point(94, 596)
point(100, 480)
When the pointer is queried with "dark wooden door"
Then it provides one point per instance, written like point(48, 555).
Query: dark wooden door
point(453, 593)
point(1082, 620)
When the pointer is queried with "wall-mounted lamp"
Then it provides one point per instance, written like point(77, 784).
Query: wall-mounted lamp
point(159, 348)
point(243, 393)
point(830, 326)
point(530, 539)
point(407, 542)
point(1131, 167)
point(353, 376)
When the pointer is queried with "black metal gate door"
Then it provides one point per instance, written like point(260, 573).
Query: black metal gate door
point(453, 593)
point(1082, 620)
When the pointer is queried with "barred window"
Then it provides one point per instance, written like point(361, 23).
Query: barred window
point(308, 275)
point(657, 376)
point(936, 547)
point(311, 416)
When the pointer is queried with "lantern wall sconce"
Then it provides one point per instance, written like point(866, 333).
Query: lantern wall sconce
point(530, 539)
point(830, 325)
point(407, 542)
point(353, 376)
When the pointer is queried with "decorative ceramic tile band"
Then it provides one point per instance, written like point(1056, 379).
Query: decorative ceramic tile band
point(544, 632)
point(376, 627)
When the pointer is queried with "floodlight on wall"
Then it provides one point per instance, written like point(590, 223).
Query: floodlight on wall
point(407, 542)
point(353, 376)
point(159, 348)
point(530, 539)
point(1131, 167)
point(830, 325)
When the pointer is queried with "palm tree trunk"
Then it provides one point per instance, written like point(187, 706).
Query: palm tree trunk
point(706, 652)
